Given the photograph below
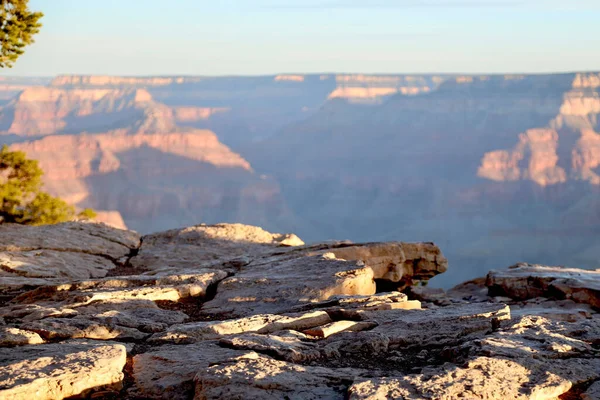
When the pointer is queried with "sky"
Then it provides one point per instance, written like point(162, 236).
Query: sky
point(262, 37)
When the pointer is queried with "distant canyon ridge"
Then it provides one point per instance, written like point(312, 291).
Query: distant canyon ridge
point(494, 169)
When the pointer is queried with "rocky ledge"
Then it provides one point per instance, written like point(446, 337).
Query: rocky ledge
point(235, 312)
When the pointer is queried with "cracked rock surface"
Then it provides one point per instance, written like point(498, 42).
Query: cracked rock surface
point(230, 311)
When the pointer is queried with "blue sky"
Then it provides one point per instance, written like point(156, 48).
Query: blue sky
point(253, 37)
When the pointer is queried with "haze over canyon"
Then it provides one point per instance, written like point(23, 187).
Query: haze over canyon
point(493, 169)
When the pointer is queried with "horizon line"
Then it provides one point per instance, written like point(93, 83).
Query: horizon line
point(568, 72)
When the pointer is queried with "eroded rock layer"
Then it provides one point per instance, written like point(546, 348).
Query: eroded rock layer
point(231, 311)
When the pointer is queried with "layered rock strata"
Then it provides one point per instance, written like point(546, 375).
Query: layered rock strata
point(233, 311)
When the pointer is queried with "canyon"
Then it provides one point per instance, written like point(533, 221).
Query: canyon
point(495, 169)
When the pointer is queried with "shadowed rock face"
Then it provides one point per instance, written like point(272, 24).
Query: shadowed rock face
point(152, 179)
point(234, 311)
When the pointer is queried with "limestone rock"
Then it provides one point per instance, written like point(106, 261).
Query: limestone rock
point(430, 295)
point(77, 328)
point(340, 326)
point(34, 312)
point(53, 264)
point(261, 377)
point(472, 291)
point(162, 286)
point(117, 319)
point(533, 337)
point(561, 310)
point(168, 372)
point(110, 308)
point(339, 304)
point(231, 311)
point(374, 338)
point(142, 315)
point(204, 246)
point(56, 371)
point(526, 281)
point(198, 331)
point(18, 283)
point(481, 378)
point(82, 237)
point(288, 345)
point(441, 326)
point(39, 255)
point(396, 261)
point(17, 337)
point(280, 286)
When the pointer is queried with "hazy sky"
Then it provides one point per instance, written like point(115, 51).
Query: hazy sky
point(219, 37)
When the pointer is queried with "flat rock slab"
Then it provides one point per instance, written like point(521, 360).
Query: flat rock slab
point(56, 371)
point(562, 310)
point(44, 255)
point(482, 378)
point(339, 304)
point(172, 287)
point(288, 345)
point(121, 308)
point(80, 328)
point(168, 372)
point(205, 246)
point(374, 339)
point(199, 331)
point(90, 238)
point(282, 286)
point(118, 319)
point(10, 282)
point(53, 264)
point(339, 326)
point(441, 326)
point(527, 281)
point(256, 376)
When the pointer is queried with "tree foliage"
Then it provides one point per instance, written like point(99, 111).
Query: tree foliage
point(21, 199)
point(87, 214)
point(18, 25)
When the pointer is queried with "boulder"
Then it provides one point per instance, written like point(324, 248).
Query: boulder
point(525, 281)
point(402, 263)
point(10, 336)
point(207, 246)
point(60, 370)
point(279, 287)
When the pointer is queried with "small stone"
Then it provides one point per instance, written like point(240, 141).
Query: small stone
point(340, 326)
point(10, 336)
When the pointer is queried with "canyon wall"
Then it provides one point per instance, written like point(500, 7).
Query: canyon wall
point(496, 169)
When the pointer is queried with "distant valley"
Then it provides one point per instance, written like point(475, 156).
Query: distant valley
point(494, 169)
